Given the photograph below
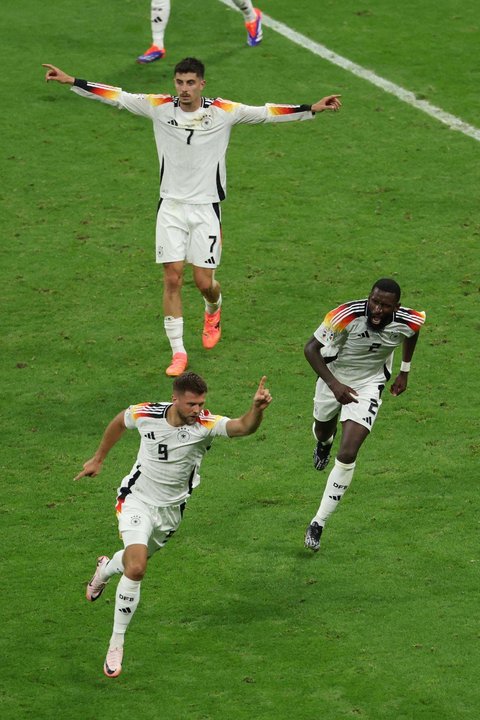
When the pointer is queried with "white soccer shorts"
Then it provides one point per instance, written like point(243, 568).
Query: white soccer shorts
point(143, 524)
point(364, 412)
point(192, 233)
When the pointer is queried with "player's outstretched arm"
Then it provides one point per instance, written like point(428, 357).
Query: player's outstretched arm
point(54, 73)
point(399, 385)
point(331, 102)
point(112, 435)
point(250, 422)
point(343, 393)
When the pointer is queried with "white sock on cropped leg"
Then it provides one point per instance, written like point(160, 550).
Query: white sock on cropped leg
point(246, 7)
point(337, 484)
point(113, 567)
point(159, 14)
point(127, 598)
point(174, 331)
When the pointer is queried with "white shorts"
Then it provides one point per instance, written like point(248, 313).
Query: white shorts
point(192, 233)
point(143, 524)
point(363, 412)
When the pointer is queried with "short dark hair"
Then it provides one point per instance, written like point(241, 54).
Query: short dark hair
point(190, 382)
point(387, 285)
point(190, 65)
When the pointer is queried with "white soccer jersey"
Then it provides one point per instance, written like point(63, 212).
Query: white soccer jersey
point(356, 353)
point(191, 145)
point(169, 458)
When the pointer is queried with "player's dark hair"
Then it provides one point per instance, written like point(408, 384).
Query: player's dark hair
point(190, 65)
point(387, 285)
point(190, 382)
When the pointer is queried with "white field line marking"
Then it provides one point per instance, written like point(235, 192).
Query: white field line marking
point(453, 122)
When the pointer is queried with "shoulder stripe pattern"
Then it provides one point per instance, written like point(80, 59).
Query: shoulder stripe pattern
point(157, 100)
point(151, 410)
point(340, 317)
point(413, 318)
point(109, 92)
point(226, 105)
point(207, 419)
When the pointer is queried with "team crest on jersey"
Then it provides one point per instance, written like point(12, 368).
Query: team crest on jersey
point(207, 122)
point(183, 435)
point(327, 335)
point(135, 520)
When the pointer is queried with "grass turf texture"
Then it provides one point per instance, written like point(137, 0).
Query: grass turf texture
point(237, 620)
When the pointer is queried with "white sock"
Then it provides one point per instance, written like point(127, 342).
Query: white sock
point(116, 640)
point(337, 483)
point(174, 330)
point(126, 600)
point(246, 6)
point(114, 566)
point(159, 14)
point(211, 308)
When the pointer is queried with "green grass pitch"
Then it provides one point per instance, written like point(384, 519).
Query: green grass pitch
point(237, 620)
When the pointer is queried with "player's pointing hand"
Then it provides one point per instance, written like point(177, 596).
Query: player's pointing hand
point(90, 469)
point(54, 73)
point(262, 397)
point(331, 102)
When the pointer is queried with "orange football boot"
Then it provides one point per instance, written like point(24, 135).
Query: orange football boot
point(178, 365)
point(211, 330)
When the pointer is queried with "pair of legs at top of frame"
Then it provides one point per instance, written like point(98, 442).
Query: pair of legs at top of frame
point(159, 16)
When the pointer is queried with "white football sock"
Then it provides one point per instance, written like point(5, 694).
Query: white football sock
point(116, 640)
point(246, 6)
point(159, 14)
point(337, 483)
point(126, 600)
point(113, 567)
point(211, 308)
point(174, 330)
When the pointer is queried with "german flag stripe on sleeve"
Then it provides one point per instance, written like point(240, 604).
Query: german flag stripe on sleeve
point(413, 318)
point(226, 105)
point(157, 100)
point(151, 410)
point(272, 108)
point(287, 109)
point(109, 92)
point(339, 318)
point(207, 420)
point(105, 91)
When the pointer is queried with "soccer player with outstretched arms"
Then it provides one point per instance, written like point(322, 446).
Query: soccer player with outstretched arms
point(174, 437)
point(192, 133)
point(352, 354)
